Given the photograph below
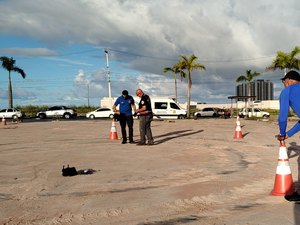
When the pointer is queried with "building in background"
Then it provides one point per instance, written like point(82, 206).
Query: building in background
point(263, 90)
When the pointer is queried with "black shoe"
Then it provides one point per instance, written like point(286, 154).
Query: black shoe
point(124, 142)
point(294, 197)
point(131, 142)
point(141, 143)
point(150, 143)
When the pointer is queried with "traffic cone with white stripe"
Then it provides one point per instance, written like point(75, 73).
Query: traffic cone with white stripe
point(238, 130)
point(283, 179)
point(3, 121)
point(113, 131)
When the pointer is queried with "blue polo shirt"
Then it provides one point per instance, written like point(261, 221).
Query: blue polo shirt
point(289, 97)
point(125, 105)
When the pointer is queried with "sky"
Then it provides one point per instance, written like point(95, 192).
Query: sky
point(60, 44)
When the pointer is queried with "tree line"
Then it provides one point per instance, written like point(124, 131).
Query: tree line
point(185, 66)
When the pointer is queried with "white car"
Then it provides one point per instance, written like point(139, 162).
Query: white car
point(100, 113)
point(11, 113)
point(57, 111)
point(206, 112)
point(253, 112)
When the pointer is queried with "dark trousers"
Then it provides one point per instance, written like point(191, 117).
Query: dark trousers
point(129, 121)
point(145, 128)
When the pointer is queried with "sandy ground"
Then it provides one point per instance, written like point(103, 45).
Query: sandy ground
point(196, 173)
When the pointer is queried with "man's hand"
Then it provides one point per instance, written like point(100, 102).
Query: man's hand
point(281, 137)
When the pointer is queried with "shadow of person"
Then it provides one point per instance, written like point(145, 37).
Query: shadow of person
point(245, 134)
point(176, 134)
point(297, 213)
point(294, 151)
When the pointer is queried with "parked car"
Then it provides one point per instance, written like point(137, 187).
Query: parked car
point(206, 112)
point(100, 113)
point(12, 113)
point(253, 112)
point(224, 113)
point(57, 111)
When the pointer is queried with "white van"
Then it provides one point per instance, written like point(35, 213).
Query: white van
point(162, 107)
point(166, 108)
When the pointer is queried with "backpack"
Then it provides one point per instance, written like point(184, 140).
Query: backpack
point(69, 171)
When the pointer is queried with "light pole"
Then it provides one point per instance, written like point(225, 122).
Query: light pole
point(88, 89)
point(108, 73)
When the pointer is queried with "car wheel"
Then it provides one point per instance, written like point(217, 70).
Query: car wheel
point(265, 116)
point(198, 115)
point(180, 117)
point(42, 116)
point(111, 116)
point(67, 115)
point(92, 116)
point(15, 117)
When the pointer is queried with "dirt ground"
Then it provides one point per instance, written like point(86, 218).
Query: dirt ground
point(196, 173)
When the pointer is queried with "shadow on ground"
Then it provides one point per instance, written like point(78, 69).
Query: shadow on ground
point(175, 134)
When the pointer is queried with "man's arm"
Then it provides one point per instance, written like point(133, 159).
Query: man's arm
point(294, 129)
point(141, 109)
point(114, 107)
point(284, 111)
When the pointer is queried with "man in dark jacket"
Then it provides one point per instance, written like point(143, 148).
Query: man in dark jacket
point(146, 116)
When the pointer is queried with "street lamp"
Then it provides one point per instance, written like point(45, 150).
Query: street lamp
point(108, 73)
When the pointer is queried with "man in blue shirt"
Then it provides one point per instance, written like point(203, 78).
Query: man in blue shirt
point(126, 106)
point(289, 98)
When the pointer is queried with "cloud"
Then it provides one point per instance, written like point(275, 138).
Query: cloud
point(28, 51)
point(228, 36)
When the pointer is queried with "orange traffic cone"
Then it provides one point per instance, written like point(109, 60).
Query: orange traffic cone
point(283, 179)
point(113, 131)
point(3, 121)
point(238, 131)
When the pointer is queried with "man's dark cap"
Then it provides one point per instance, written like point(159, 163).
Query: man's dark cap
point(293, 75)
point(125, 92)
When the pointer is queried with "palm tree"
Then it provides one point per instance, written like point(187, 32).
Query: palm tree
point(175, 71)
point(188, 65)
point(9, 65)
point(248, 77)
point(286, 61)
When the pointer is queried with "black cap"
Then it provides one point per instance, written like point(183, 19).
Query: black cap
point(293, 75)
point(125, 92)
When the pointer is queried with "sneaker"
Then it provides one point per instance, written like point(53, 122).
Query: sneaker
point(141, 143)
point(294, 197)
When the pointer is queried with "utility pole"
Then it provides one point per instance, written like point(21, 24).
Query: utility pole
point(88, 89)
point(108, 73)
